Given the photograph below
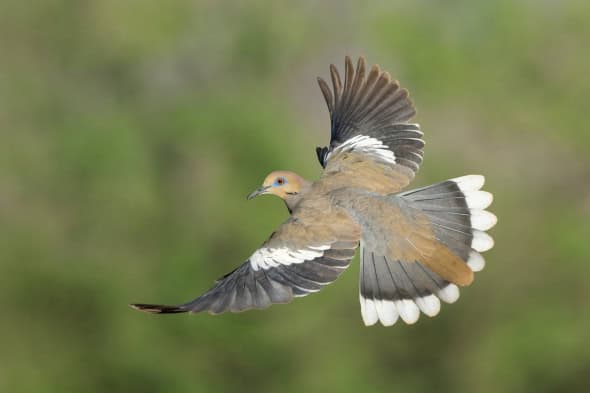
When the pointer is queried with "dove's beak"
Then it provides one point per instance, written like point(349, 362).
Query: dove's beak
point(260, 191)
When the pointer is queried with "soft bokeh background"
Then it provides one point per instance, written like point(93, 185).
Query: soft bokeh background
point(131, 132)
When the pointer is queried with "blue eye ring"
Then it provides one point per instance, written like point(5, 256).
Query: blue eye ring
point(280, 181)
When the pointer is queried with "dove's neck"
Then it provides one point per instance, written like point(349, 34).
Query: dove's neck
point(293, 199)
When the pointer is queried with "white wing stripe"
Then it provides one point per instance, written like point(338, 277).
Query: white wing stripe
point(266, 258)
point(367, 145)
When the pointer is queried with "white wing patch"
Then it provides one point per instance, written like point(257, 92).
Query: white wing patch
point(367, 145)
point(266, 258)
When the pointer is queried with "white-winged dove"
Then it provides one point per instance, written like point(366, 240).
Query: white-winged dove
point(416, 247)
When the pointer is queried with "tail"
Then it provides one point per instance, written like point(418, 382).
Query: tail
point(454, 210)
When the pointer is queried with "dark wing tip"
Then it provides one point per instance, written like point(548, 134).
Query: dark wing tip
point(327, 93)
point(348, 64)
point(157, 308)
point(322, 153)
point(374, 96)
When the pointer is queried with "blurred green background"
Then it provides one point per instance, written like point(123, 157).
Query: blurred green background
point(131, 132)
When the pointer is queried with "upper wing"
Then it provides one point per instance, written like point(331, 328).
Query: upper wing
point(370, 135)
point(298, 259)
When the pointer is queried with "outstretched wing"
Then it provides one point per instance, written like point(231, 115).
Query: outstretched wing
point(372, 145)
point(298, 259)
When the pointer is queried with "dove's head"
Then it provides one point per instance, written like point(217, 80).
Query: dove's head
point(284, 184)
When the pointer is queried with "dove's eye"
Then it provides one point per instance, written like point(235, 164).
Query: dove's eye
point(280, 181)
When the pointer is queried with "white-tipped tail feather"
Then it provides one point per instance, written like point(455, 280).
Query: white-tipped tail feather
point(408, 310)
point(469, 182)
point(387, 311)
point(478, 199)
point(449, 294)
point(481, 241)
point(429, 305)
point(476, 262)
point(482, 219)
point(368, 311)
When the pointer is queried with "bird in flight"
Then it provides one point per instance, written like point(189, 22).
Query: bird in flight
point(416, 247)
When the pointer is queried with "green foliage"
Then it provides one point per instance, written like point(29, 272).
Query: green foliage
point(132, 131)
